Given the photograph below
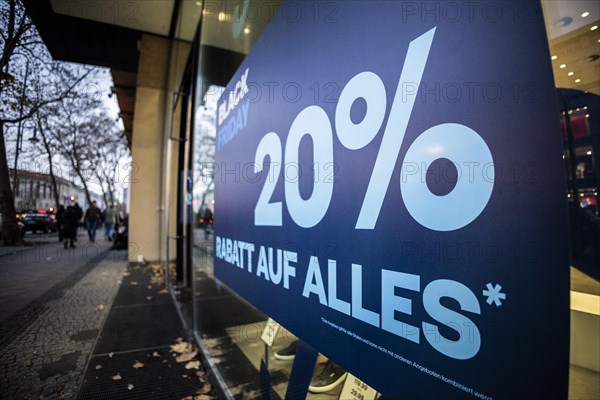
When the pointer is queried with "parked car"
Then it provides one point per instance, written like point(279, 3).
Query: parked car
point(37, 222)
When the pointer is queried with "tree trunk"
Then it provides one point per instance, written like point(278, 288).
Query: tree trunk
point(74, 159)
point(75, 164)
point(111, 193)
point(51, 169)
point(104, 195)
point(105, 198)
point(10, 231)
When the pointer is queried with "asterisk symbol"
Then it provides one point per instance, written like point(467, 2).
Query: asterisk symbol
point(494, 295)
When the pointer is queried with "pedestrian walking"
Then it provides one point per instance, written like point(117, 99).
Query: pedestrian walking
point(111, 218)
point(70, 222)
point(92, 217)
point(60, 216)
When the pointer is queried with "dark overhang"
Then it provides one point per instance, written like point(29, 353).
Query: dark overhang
point(84, 41)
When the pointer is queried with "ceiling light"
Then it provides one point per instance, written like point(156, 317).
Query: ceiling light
point(589, 153)
point(564, 21)
point(198, 3)
point(593, 28)
point(246, 30)
point(570, 73)
point(577, 80)
point(563, 65)
point(587, 115)
point(221, 16)
point(554, 57)
point(585, 14)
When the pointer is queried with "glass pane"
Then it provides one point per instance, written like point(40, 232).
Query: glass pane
point(573, 37)
point(228, 326)
point(579, 123)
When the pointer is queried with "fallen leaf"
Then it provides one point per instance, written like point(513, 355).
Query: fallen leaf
point(130, 386)
point(185, 357)
point(207, 388)
point(212, 342)
point(98, 366)
point(201, 374)
point(179, 347)
point(101, 307)
point(163, 291)
point(179, 340)
point(149, 286)
point(126, 273)
point(185, 376)
point(117, 377)
point(138, 365)
point(133, 283)
point(155, 354)
point(202, 397)
point(111, 354)
point(188, 398)
point(215, 352)
point(149, 298)
point(192, 365)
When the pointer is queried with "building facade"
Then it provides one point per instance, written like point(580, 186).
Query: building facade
point(34, 190)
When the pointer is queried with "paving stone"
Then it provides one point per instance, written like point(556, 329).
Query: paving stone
point(51, 332)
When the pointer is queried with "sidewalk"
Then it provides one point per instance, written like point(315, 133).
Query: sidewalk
point(27, 272)
point(134, 356)
point(57, 321)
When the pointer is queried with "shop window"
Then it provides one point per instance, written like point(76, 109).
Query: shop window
point(229, 327)
point(579, 118)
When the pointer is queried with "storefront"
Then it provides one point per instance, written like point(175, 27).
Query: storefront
point(269, 203)
point(236, 334)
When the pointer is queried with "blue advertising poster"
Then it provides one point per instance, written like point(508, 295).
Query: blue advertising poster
point(390, 188)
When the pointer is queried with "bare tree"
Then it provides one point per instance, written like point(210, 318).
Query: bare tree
point(204, 143)
point(106, 172)
point(204, 165)
point(20, 32)
point(80, 132)
point(29, 80)
point(77, 123)
point(44, 130)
